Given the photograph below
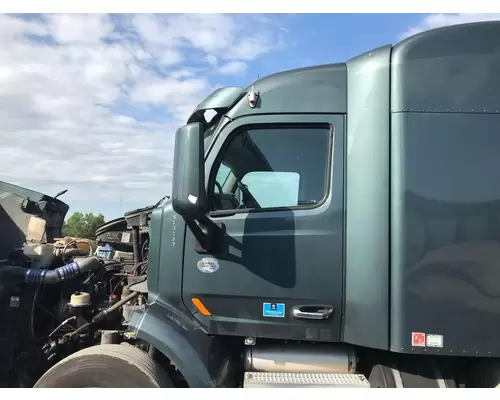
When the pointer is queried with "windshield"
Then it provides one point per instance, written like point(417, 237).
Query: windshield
point(209, 134)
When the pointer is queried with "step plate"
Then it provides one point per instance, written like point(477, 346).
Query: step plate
point(278, 379)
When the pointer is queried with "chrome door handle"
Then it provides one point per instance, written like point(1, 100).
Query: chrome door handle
point(312, 312)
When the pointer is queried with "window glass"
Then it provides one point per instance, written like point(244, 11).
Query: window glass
point(222, 174)
point(273, 189)
point(269, 168)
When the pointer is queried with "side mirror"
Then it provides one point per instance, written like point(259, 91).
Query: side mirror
point(188, 187)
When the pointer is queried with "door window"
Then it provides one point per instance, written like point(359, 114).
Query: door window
point(272, 168)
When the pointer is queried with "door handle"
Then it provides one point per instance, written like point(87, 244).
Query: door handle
point(312, 312)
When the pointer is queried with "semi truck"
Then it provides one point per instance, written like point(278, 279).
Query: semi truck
point(329, 226)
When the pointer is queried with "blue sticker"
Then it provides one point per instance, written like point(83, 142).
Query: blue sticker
point(276, 310)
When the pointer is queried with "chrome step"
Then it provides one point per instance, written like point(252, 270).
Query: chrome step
point(278, 379)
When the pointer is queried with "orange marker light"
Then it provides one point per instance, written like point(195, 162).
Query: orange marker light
point(200, 307)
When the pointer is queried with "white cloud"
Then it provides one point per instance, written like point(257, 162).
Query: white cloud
point(236, 36)
point(179, 96)
point(78, 28)
point(91, 102)
point(233, 68)
point(440, 20)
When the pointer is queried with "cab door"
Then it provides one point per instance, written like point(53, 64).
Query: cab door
point(275, 267)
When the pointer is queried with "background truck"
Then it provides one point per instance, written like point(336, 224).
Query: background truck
point(337, 225)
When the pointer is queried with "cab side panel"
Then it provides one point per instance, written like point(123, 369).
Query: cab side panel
point(366, 321)
point(445, 192)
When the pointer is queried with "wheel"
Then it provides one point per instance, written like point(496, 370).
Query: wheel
point(382, 376)
point(106, 366)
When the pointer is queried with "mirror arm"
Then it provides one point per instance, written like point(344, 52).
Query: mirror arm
point(203, 231)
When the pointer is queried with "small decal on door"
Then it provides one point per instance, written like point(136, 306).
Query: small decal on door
point(14, 301)
point(434, 340)
point(275, 310)
point(208, 265)
point(418, 339)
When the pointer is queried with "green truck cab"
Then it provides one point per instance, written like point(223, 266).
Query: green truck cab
point(337, 225)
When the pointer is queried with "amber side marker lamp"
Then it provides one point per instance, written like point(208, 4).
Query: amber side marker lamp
point(200, 306)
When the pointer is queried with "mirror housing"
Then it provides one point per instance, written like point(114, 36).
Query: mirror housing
point(188, 186)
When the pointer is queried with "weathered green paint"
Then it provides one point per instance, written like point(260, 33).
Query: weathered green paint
point(167, 324)
point(156, 329)
point(366, 321)
point(220, 100)
point(392, 108)
point(266, 256)
point(445, 192)
point(451, 69)
point(321, 89)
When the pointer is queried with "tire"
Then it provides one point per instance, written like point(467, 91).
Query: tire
point(382, 376)
point(106, 366)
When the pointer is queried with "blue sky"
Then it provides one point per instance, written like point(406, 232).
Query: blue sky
point(90, 103)
point(325, 38)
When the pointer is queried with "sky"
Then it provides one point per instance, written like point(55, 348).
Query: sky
point(91, 102)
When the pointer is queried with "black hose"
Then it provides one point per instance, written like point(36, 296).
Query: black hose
point(68, 271)
point(116, 306)
point(99, 317)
